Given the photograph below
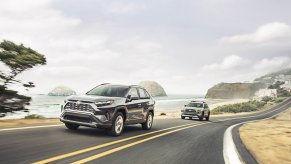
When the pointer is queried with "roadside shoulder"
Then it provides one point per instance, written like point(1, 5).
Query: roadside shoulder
point(269, 140)
point(20, 123)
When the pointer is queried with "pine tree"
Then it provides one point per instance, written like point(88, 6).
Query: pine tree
point(17, 58)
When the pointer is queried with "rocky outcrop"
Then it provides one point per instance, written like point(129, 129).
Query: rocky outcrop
point(153, 88)
point(233, 90)
point(61, 91)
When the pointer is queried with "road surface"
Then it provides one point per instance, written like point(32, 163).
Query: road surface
point(169, 141)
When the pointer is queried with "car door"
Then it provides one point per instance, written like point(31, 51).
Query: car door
point(206, 109)
point(133, 106)
point(144, 101)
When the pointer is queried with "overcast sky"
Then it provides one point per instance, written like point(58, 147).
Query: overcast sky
point(186, 46)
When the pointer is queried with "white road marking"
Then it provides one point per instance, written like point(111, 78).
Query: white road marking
point(30, 127)
point(230, 153)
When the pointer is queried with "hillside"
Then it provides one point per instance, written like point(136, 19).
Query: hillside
point(233, 90)
point(247, 90)
point(282, 75)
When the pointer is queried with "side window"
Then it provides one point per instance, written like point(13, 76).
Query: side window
point(142, 93)
point(199, 105)
point(133, 92)
point(147, 94)
point(205, 106)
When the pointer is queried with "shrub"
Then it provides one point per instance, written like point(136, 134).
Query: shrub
point(280, 99)
point(239, 107)
point(33, 116)
point(163, 114)
point(267, 99)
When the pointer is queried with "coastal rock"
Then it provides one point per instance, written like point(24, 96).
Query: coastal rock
point(62, 91)
point(154, 88)
point(234, 90)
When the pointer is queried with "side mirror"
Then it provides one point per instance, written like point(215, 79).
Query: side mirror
point(185, 105)
point(128, 98)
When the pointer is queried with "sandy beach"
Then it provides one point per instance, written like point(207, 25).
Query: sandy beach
point(213, 103)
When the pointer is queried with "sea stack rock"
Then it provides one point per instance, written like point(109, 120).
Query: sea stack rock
point(154, 88)
point(62, 91)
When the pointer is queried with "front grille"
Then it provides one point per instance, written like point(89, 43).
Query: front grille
point(190, 110)
point(78, 106)
point(79, 119)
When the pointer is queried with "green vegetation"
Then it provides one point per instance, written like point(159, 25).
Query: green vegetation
point(281, 92)
point(163, 114)
point(280, 99)
point(34, 116)
point(16, 59)
point(267, 99)
point(239, 107)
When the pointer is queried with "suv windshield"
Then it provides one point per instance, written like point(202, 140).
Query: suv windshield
point(109, 91)
point(197, 105)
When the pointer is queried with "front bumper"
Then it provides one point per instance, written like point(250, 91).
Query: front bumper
point(191, 114)
point(83, 118)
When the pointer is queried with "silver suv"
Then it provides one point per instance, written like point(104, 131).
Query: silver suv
point(196, 109)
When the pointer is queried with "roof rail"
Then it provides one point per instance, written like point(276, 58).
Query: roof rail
point(135, 86)
point(104, 83)
point(198, 101)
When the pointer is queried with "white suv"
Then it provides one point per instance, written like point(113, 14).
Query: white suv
point(196, 109)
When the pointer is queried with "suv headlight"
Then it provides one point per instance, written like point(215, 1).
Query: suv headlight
point(104, 103)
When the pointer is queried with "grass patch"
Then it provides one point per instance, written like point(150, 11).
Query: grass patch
point(163, 114)
point(239, 107)
point(280, 99)
point(34, 116)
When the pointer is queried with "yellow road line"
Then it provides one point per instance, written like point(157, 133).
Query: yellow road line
point(104, 145)
point(130, 145)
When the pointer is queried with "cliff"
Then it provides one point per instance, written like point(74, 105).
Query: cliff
point(234, 90)
point(153, 88)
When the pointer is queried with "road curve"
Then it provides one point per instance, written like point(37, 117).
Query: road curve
point(169, 141)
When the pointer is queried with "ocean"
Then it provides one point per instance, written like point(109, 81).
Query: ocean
point(50, 106)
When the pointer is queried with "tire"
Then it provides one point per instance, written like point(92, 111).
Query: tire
point(149, 122)
point(208, 116)
point(202, 116)
point(183, 117)
point(117, 124)
point(72, 126)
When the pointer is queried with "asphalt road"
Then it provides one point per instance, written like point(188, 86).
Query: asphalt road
point(169, 141)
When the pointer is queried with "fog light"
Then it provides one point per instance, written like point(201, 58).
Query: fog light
point(102, 118)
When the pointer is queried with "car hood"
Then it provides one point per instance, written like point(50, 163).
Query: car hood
point(91, 98)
